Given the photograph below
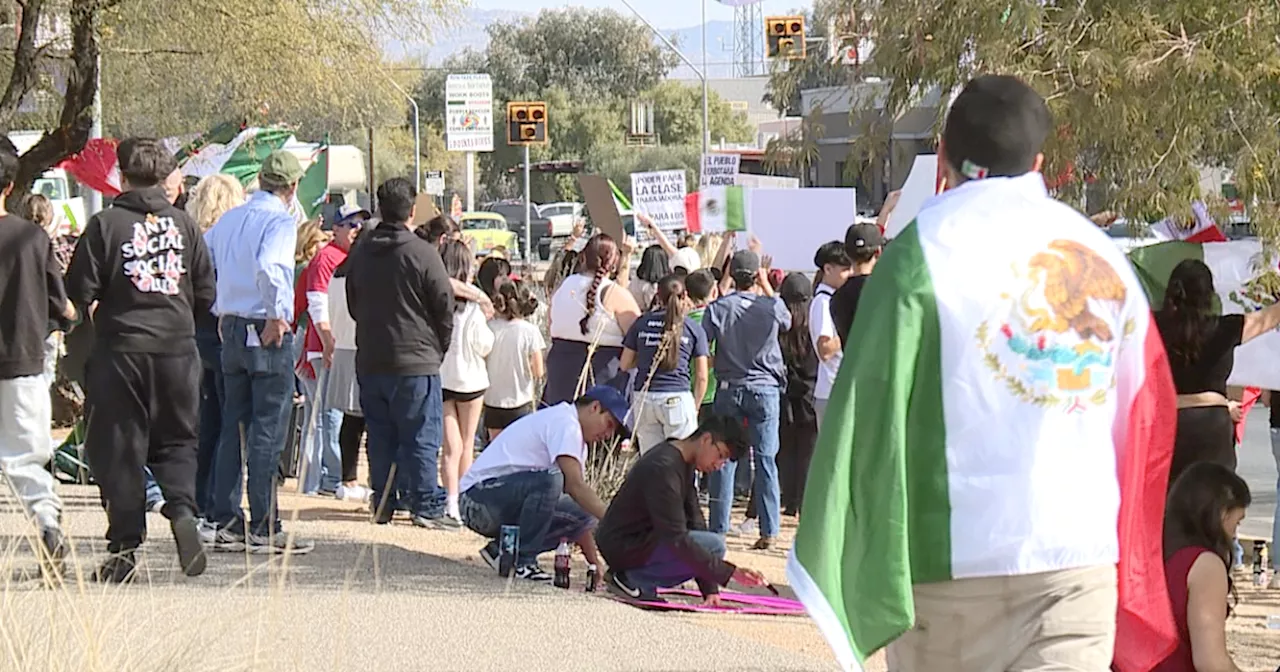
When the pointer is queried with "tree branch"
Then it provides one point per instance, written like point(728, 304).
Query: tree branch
point(172, 51)
point(23, 76)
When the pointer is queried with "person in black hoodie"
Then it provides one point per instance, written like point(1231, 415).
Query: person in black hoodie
point(653, 534)
point(31, 294)
point(400, 297)
point(145, 265)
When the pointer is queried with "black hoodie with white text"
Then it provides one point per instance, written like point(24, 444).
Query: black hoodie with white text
point(146, 264)
point(400, 297)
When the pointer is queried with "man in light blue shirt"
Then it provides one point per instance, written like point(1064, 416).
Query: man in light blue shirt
point(253, 253)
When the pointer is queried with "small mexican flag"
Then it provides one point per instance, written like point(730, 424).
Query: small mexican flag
point(975, 407)
point(241, 158)
point(717, 210)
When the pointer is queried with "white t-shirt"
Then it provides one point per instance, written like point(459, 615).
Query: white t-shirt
point(821, 324)
point(510, 377)
point(531, 443)
point(344, 328)
point(463, 369)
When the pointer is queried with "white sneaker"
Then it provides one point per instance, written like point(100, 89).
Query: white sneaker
point(355, 493)
point(747, 528)
point(1275, 582)
point(157, 507)
point(208, 531)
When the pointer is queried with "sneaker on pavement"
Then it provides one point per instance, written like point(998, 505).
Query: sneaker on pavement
point(208, 531)
point(746, 528)
point(533, 573)
point(191, 556)
point(119, 568)
point(280, 544)
point(490, 557)
point(619, 585)
point(156, 506)
point(226, 541)
point(355, 493)
point(54, 551)
point(763, 544)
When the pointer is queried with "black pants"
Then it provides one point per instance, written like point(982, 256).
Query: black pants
point(349, 440)
point(795, 452)
point(143, 411)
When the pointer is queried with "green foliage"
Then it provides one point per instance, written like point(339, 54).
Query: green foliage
point(1145, 93)
point(589, 66)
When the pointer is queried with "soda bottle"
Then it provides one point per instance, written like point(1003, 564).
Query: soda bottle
point(562, 565)
point(591, 578)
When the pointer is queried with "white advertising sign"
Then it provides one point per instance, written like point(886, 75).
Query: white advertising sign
point(434, 183)
point(720, 170)
point(661, 196)
point(469, 113)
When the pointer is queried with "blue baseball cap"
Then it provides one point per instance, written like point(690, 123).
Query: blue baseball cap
point(613, 401)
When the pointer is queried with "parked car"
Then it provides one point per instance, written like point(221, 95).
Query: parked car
point(487, 231)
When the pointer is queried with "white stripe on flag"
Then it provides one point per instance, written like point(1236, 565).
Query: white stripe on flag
point(822, 614)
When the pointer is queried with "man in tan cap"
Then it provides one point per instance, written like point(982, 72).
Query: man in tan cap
point(253, 248)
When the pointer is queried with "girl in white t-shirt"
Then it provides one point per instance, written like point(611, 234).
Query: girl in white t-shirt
point(464, 377)
point(515, 364)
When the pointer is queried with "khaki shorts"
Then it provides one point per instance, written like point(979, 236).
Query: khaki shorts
point(1057, 621)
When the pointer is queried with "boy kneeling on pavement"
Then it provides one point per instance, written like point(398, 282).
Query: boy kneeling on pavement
point(532, 476)
point(654, 535)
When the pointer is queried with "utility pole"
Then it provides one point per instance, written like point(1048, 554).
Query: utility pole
point(528, 210)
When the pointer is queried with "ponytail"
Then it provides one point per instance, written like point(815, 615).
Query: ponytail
point(591, 298)
point(671, 294)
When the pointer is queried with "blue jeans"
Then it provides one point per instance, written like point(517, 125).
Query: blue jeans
point(666, 570)
point(211, 400)
point(1275, 523)
point(759, 406)
point(321, 455)
point(535, 501)
point(154, 495)
point(258, 385)
point(404, 423)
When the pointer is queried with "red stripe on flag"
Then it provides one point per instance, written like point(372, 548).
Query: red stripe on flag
point(1145, 630)
point(1250, 397)
point(1209, 234)
point(692, 213)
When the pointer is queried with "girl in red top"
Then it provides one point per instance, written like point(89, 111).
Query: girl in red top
point(1206, 505)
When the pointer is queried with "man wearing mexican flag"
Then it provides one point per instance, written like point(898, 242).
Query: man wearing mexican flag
point(989, 483)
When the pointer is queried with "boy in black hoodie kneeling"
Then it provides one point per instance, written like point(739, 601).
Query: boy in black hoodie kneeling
point(145, 265)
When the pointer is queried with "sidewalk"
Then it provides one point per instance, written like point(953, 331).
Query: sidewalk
point(399, 598)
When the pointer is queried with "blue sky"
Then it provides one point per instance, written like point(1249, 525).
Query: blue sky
point(662, 13)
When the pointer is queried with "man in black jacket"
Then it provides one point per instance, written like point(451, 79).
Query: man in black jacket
point(400, 297)
point(144, 263)
point(31, 294)
point(654, 536)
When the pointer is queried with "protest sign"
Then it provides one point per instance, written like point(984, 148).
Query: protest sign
point(661, 196)
point(601, 207)
point(720, 170)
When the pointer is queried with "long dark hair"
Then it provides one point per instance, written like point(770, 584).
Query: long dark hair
point(797, 292)
point(457, 262)
point(436, 229)
point(1198, 500)
point(492, 273)
point(1186, 319)
point(654, 264)
point(675, 300)
point(600, 259)
point(513, 300)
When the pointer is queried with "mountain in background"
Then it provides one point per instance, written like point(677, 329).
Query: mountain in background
point(470, 34)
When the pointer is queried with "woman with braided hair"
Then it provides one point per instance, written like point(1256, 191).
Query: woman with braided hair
point(589, 315)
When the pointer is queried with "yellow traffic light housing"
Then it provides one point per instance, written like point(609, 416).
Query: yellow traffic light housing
point(527, 123)
point(785, 37)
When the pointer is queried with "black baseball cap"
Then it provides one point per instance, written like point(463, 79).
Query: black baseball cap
point(995, 128)
point(744, 262)
point(831, 253)
point(861, 237)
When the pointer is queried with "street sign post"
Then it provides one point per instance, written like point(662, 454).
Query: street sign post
point(469, 121)
point(434, 184)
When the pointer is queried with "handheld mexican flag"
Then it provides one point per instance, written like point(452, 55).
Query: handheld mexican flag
point(313, 188)
point(1243, 282)
point(241, 158)
point(1201, 228)
point(717, 210)
point(976, 405)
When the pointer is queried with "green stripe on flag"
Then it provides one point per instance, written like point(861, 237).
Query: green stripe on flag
point(620, 197)
point(1155, 263)
point(878, 514)
point(246, 161)
point(220, 134)
point(735, 209)
point(313, 188)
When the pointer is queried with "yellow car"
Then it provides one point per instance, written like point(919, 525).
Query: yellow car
point(486, 231)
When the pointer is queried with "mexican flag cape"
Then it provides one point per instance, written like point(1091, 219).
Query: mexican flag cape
point(1245, 281)
point(989, 384)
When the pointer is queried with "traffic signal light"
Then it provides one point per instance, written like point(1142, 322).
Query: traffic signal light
point(784, 37)
point(526, 123)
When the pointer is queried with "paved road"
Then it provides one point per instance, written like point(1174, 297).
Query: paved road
point(1258, 467)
